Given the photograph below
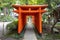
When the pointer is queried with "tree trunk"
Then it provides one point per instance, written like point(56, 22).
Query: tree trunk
point(5, 10)
point(53, 26)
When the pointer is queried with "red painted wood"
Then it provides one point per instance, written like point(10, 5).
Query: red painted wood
point(30, 10)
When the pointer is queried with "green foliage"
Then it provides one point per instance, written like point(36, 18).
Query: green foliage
point(12, 26)
point(32, 2)
point(45, 16)
point(6, 18)
point(12, 30)
point(7, 3)
point(40, 1)
point(52, 3)
point(23, 2)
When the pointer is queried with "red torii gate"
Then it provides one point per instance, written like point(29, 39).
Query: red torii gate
point(33, 10)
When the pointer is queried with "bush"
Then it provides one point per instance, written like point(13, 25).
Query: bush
point(12, 26)
point(6, 18)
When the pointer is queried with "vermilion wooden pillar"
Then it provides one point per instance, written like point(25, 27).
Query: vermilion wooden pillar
point(33, 19)
point(33, 10)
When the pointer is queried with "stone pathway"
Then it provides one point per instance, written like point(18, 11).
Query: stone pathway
point(29, 33)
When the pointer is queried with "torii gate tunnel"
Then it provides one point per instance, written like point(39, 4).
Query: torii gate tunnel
point(35, 11)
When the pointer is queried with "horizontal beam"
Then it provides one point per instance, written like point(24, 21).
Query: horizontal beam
point(29, 11)
point(42, 6)
point(16, 11)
